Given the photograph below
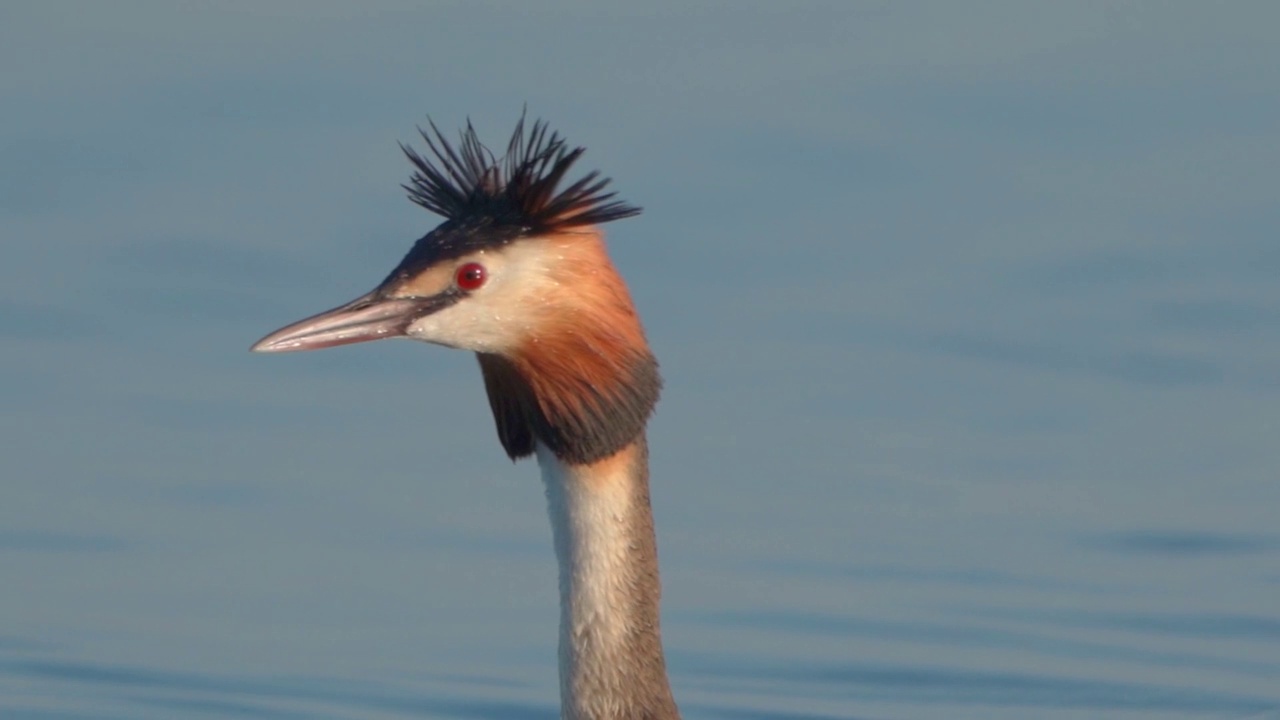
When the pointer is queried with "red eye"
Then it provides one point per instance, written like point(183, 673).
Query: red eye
point(470, 276)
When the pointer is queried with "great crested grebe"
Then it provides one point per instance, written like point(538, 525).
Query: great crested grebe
point(518, 273)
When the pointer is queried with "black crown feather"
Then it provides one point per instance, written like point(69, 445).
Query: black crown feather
point(467, 182)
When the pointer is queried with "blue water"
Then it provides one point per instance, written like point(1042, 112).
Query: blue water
point(968, 317)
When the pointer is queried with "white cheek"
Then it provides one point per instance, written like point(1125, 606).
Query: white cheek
point(468, 325)
point(499, 316)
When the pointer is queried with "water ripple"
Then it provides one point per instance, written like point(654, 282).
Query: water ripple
point(953, 687)
point(955, 635)
point(253, 697)
point(1175, 543)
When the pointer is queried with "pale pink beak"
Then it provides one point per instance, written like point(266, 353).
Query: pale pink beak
point(366, 318)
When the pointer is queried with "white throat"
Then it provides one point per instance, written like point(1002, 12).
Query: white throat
point(589, 522)
point(611, 660)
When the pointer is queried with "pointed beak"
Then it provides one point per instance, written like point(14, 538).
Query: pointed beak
point(370, 317)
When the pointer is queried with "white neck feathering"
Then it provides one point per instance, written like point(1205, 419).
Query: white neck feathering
point(611, 663)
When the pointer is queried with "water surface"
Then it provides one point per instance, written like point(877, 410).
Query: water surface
point(968, 317)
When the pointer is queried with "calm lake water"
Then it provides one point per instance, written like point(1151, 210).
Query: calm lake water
point(968, 317)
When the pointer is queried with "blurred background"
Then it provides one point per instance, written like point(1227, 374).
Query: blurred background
point(968, 316)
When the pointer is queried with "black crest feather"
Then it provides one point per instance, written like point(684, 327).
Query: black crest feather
point(466, 182)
